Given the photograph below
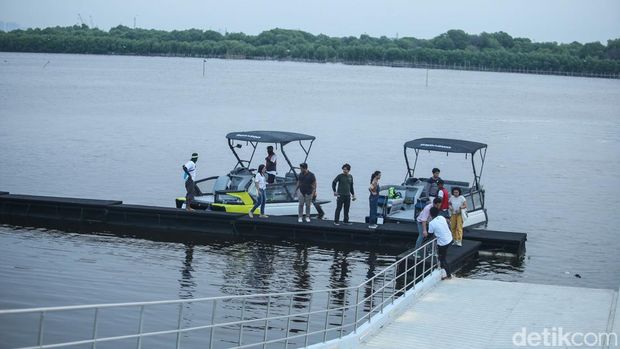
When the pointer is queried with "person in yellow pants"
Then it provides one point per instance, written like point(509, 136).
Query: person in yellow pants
point(457, 203)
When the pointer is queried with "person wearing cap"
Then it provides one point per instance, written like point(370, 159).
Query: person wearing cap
point(271, 164)
point(306, 189)
point(189, 175)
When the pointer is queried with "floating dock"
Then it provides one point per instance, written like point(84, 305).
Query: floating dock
point(496, 314)
point(172, 224)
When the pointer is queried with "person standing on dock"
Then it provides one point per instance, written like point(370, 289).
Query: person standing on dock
point(439, 227)
point(423, 219)
point(189, 170)
point(457, 204)
point(344, 193)
point(431, 188)
point(271, 164)
point(373, 198)
point(261, 185)
point(443, 194)
point(306, 188)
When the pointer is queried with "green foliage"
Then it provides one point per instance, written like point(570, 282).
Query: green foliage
point(455, 47)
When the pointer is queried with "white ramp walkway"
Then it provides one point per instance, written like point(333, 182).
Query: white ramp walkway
point(465, 313)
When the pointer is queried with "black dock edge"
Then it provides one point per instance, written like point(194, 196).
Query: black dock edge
point(172, 224)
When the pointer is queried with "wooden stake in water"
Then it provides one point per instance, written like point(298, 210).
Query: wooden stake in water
point(426, 77)
point(204, 62)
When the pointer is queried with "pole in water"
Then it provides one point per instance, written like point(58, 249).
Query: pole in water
point(204, 62)
point(426, 77)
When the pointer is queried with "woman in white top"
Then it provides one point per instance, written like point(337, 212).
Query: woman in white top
point(457, 204)
point(261, 185)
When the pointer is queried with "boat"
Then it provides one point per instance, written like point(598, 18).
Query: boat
point(235, 191)
point(408, 199)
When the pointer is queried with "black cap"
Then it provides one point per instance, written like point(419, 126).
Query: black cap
point(194, 155)
point(303, 165)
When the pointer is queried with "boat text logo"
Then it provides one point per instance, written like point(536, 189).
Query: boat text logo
point(247, 136)
point(441, 146)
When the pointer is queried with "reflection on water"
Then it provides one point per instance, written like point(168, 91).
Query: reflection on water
point(186, 284)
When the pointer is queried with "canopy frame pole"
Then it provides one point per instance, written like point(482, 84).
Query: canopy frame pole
point(478, 176)
point(232, 148)
point(288, 161)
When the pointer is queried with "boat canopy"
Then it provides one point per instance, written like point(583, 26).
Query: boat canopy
point(275, 137)
point(445, 145)
point(269, 136)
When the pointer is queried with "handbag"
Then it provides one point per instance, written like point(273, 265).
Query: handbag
point(464, 214)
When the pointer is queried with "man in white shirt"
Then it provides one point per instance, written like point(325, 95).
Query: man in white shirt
point(439, 227)
point(189, 170)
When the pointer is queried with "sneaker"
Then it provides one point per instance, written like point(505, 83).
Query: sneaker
point(308, 219)
point(251, 214)
point(263, 216)
point(299, 220)
point(336, 223)
point(373, 226)
point(459, 243)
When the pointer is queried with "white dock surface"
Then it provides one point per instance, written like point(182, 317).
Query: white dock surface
point(466, 313)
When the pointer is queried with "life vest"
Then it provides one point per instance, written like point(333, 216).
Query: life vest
point(392, 193)
point(445, 202)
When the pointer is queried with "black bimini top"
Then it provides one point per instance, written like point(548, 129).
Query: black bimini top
point(445, 145)
point(269, 136)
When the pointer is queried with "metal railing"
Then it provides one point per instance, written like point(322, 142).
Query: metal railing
point(276, 320)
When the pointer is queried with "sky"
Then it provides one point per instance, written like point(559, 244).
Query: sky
point(562, 21)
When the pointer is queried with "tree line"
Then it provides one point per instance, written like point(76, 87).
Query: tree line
point(495, 51)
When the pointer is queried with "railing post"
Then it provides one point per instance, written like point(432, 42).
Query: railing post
point(344, 309)
point(406, 272)
point(241, 325)
point(424, 262)
point(266, 321)
point(394, 283)
point(140, 327)
point(415, 268)
point(329, 294)
point(435, 252)
point(41, 320)
point(179, 324)
point(383, 292)
point(357, 303)
point(308, 321)
point(212, 324)
point(288, 321)
point(95, 328)
point(372, 294)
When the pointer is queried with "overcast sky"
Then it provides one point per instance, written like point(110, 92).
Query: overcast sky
point(539, 20)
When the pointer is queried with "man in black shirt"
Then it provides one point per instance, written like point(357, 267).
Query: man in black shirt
point(431, 186)
point(306, 186)
point(344, 193)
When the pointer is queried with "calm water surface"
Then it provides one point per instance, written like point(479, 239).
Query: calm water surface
point(120, 128)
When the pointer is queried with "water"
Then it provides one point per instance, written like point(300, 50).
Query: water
point(120, 128)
